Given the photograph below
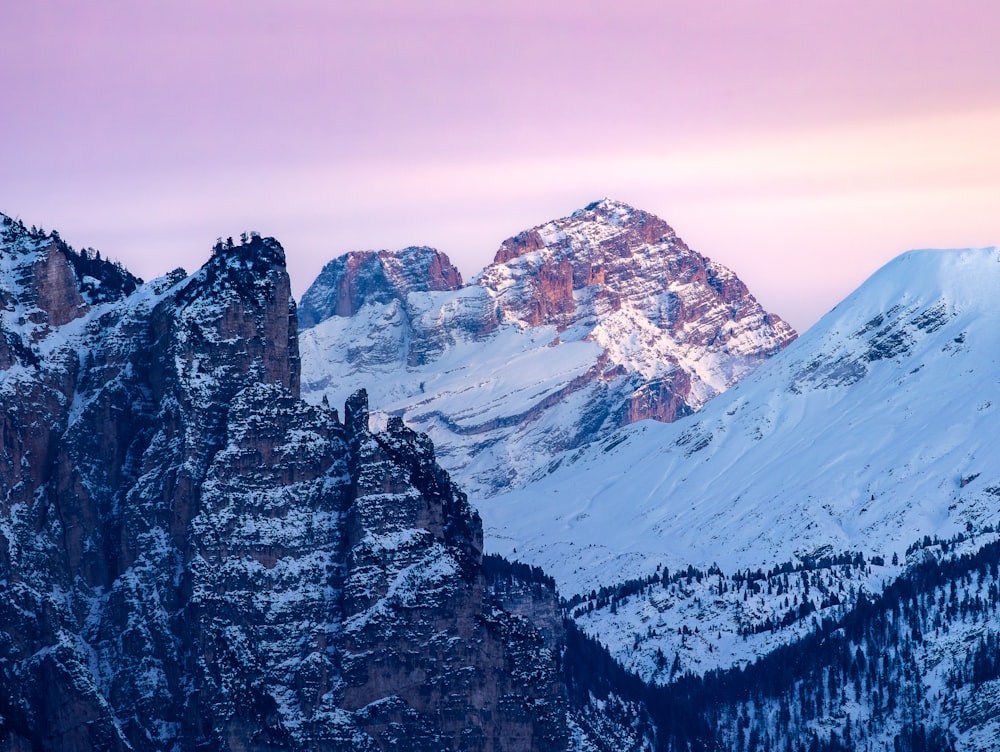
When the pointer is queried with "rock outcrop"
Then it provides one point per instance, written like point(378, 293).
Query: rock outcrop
point(191, 557)
point(578, 327)
point(350, 281)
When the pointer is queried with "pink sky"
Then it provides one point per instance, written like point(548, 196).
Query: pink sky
point(801, 143)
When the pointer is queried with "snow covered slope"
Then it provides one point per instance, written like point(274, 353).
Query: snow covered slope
point(875, 428)
point(580, 325)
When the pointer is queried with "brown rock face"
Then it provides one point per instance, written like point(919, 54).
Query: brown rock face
point(56, 287)
point(519, 245)
point(441, 274)
point(348, 282)
point(551, 296)
point(662, 400)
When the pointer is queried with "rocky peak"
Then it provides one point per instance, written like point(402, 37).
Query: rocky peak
point(623, 278)
point(351, 280)
point(599, 319)
point(200, 560)
point(235, 322)
point(400, 459)
point(233, 266)
point(603, 220)
point(45, 283)
point(609, 249)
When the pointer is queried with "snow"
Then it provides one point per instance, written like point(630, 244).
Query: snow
point(467, 388)
point(782, 464)
point(434, 570)
point(843, 442)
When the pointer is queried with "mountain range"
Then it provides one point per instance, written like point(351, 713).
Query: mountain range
point(685, 530)
point(193, 558)
point(871, 433)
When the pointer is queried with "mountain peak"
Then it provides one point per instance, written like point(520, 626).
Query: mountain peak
point(235, 321)
point(606, 222)
point(620, 276)
point(871, 432)
point(45, 283)
point(606, 252)
point(351, 280)
point(607, 206)
point(249, 569)
point(254, 253)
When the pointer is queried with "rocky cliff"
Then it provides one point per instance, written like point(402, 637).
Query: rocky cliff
point(350, 281)
point(193, 558)
point(578, 327)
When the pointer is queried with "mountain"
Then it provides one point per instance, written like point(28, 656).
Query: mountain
point(823, 475)
point(194, 557)
point(191, 557)
point(578, 327)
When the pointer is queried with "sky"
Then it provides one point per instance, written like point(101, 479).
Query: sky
point(802, 143)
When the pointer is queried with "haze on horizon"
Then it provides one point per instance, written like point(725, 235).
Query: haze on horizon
point(800, 144)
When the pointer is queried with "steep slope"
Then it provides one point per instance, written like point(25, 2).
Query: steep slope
point(873, 430)
point(227, 567)
point(579, 326)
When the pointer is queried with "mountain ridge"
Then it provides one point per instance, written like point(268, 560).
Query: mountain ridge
point(811, 564)
point(870, 434)
point(840, 351)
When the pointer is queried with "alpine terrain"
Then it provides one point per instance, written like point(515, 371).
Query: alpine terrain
point(193, 558)
point(811, 561)
point(689, 533)
point(578, 327)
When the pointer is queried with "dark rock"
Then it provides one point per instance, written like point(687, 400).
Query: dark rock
point(193, 558)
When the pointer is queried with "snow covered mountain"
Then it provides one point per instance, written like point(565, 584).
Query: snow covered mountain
point(578, 327)
point(799, 488)
point(913, 668)
point(194, 558)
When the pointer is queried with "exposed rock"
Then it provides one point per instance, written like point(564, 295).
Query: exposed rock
point(348, 282)
point(662, 400)
point(624, 258)
point(55, 286)
point(194, 558)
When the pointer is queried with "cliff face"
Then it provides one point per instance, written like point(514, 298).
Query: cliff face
point(193, 558)
point(578, 327)
point(350, 281)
